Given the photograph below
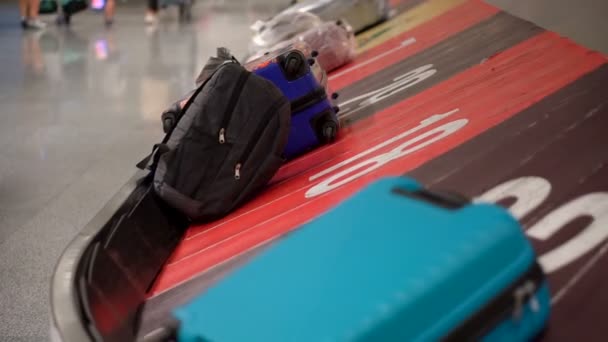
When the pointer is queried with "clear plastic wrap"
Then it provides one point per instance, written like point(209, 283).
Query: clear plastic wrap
point(266, 56)
point(334, 42)
point(283, 27)
point(359, 13)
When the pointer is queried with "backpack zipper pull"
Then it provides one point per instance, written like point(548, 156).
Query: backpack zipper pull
point(237, 171)
point(222, 135)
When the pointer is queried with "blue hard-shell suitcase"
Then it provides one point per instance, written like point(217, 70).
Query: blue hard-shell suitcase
point(393, 263)
point(314, 118)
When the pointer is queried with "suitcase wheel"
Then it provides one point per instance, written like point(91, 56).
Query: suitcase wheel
point(294, 65)
point(329, 129)
point(314, 54)
point(335, 95)
point(336, 109)
point(311, 61)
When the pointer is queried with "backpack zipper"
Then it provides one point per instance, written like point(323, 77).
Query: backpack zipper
point(256, 135)
point(232, 104)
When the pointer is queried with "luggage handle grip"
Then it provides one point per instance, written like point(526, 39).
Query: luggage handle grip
point(442, 199)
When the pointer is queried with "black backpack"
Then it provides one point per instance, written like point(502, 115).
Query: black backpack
point(224, 145)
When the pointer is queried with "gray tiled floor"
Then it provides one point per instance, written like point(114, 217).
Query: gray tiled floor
point(79, 107)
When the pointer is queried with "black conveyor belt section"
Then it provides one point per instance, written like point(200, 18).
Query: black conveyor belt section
point(101, 280)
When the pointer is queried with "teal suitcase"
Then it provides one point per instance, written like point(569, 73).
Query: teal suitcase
point(393, 263)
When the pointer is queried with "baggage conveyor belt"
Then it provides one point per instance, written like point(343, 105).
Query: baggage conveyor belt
point(455, 93)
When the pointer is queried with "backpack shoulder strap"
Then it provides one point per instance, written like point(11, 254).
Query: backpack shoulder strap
point(171, 117)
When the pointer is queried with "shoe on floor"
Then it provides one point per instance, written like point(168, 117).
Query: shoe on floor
point(35, 24)
point(150, 18)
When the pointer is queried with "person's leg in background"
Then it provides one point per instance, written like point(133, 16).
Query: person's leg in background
point(108, 12)
point(23, 12)
point(152, 12)
point(29, 14)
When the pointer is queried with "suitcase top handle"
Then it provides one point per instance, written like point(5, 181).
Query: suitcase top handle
point(442, 199)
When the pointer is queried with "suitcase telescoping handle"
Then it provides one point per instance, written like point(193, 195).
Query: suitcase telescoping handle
point(442, 199)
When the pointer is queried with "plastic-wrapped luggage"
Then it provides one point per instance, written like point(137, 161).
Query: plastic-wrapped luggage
point(283, 27)
point(359, 13)
point(395, 262)
point(295, 71)
point(334, 42)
